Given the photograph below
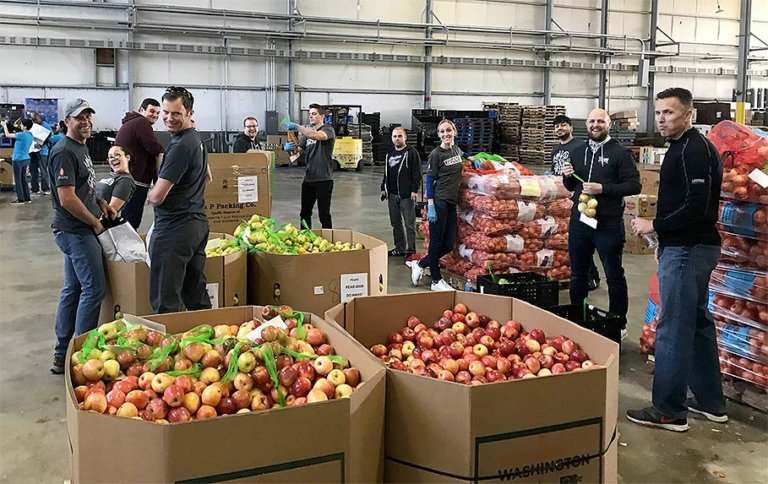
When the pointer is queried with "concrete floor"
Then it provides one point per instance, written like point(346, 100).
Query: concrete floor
point(34, 445)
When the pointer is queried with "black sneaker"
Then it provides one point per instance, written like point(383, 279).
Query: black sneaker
point(651, 417)
point(593, 283)
point(17, 202)
point(712, 417)
point(396, 253)
point(58, 365)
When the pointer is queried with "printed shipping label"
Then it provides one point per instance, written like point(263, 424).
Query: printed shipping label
point(545, 258)
point(354, 285)
point(247, 189)
point(548, 226)
point(588, 221)
point(213, 294)
point(515, 243)
point(530, 188)
point(526, 211)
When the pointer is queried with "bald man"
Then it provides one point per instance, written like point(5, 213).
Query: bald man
point(610, 173)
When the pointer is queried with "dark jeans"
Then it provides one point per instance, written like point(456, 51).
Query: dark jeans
point(686, 340)
point(442, 237)
point(608, 239)
point(37, 170)
point(177, 273)
point(133, 209)
point(321, 192)
point(20, 184)
point(403, 211)
point(84, 287)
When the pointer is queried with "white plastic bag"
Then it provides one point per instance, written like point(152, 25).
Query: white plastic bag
point(121, 243)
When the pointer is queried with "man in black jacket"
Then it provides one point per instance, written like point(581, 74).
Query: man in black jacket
point(248, 139)
point(689, 248)
point(610, 173)
point(401, 183)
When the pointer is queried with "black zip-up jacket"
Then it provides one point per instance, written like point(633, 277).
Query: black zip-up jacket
point(613, 166)
point(689, 192)
point(406, 164)
point(243, 143)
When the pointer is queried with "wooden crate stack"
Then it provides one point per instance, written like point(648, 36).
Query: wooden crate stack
point(509, 120)
point(532, 135)
point(550, 140)
point(625, 120)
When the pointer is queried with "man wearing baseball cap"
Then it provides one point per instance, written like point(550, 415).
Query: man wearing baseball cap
point(75, 225)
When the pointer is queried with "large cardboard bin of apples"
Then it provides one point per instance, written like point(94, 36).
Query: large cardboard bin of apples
point(320, 436)
point(452, 417)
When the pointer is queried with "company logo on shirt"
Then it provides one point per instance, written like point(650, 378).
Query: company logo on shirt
point(91, 173)
point(698, 181)
point(310, 142)
point(452, 160)
point(559, 160)
point(107, 181)
point(603, 160)
point(394, 160)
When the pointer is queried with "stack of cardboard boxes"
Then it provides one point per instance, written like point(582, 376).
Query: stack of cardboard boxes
point(643, 206)
point(650, 155)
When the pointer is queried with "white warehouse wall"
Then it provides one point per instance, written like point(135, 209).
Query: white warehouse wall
point(392, 89)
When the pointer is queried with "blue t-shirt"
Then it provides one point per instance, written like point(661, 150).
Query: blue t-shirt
point(21, 148)
point(44, 148)
point(55, 138)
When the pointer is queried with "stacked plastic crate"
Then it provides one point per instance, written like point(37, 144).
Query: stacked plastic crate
point(474, 135)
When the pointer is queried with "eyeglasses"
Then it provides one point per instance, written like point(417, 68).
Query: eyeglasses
point(180, 91)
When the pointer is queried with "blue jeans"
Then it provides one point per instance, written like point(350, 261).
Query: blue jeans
point(442, 237)
point(84, 287)
point(686, 341)
point(133, 210)
point(20, 184)
point(37, 170)
point(608, 239)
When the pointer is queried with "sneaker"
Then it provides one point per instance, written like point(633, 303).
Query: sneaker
point(58, 365)
point(650, 417)
point(593, 283)
point(395, 253)
point(712, 417)
point(17, 202)
point(28, 201)
point(416, 272)
point(441, 285)
point(47, 192)
point(624, 334)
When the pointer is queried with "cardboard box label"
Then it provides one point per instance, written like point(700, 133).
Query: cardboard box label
point(569, 452)
point(319, 290)
point(353, 285)
point(247, 189)
point(213, 294)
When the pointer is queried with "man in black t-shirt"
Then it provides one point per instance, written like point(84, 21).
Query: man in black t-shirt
point(177, 244)
point(561, 155)
point(249, 138)
point(76, 222)
point(317, 141)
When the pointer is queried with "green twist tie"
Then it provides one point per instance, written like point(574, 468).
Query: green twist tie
point(233, 367)
point(271, 365)
point(193, 371)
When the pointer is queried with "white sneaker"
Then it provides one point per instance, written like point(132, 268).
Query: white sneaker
point(441, 285)
point(416, 272)
point(624, 334)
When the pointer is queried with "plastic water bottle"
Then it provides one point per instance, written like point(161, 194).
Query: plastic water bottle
point(651, 240)
point(468, 286)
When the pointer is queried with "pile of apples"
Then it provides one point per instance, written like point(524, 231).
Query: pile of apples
point(470, 348)
point(258, 234)
point(587, 205)
point(211, 378)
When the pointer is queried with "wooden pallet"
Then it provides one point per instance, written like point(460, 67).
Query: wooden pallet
point(746, 394)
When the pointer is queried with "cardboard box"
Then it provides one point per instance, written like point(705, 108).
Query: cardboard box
point(649, 179)
point(520, 430)
point(6, 173)
point(275, 144)
point(240, 188)
point(317, 282)
point(128, 283)
point(334, 441)
point(635, 244)
point(640, 205)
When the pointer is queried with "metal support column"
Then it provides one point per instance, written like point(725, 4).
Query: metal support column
point(603, 77)
point(292, 113)
point(129, 57)
point(547, 41)
point(428, 53)
point(742, 79)
point(650, 118)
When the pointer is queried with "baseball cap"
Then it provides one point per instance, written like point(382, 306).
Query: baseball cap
point(76, 107)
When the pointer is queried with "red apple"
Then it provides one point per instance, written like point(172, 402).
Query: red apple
point(538, 335)
point(558, 368)
point(408, 334)
point(567, 347)
point(460, 308)
point(546, 361)
point(463, 377)
point(413, 321)
point(472, 320)
point(178, 414)
point(533, 364)
point(477, 368)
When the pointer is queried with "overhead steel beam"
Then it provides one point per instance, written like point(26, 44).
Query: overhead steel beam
point(602, 82)
point(548, 40)
point(650, 108)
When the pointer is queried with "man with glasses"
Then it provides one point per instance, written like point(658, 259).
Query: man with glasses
point(317, 140)
point(177, 244)
point(76, 222)
point(248, 139)
point(137, 136)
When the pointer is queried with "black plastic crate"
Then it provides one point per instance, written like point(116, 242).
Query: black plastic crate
point(527, 286)
point(594, 319)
